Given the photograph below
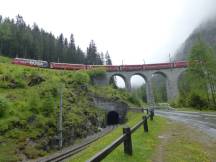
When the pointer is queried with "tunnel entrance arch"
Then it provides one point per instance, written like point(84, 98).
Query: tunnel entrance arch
point(112, 118)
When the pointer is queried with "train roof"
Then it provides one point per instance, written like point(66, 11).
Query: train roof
point(64, 63)
point(28, 59)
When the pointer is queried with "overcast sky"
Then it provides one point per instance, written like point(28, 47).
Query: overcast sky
point(131, 30)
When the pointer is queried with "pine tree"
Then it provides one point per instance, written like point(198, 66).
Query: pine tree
point(60, 45)
point(72, 50)
point(108, 59)
point(102, 58)
point(80, 56)
point(91, 55)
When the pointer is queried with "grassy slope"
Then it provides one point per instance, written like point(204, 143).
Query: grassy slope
point(28, 114)
point(143, 143)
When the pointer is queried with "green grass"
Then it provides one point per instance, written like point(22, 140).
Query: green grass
point(4, 59)
point(143, 143)
point(187, 145)
point(183, 150)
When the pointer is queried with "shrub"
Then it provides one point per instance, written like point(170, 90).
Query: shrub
point(94, 73)
point(81, 78)
point(35, 79)
point(32, 152)
point(34, 103)
point(48, 105)
point(197, 101)
point(134, 100)
point(3, 106)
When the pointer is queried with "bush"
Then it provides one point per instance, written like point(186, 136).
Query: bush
point(3, 106)
point(94, 73)
point(134, 100)
point(34, 103)
point(197, 101)
point(35, 79)
point(81, 78)
point(48, 105)
point(32, 152)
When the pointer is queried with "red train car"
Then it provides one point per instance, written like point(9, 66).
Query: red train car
point(94, 66)
point(30, 62)
point(66, 66)
point(109, 68)
point(131, 67)
point(157, 66)
point(112, 68)
point(180, 64)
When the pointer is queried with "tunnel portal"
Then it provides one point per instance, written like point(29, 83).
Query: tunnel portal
point(112, 118)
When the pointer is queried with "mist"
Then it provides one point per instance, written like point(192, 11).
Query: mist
point(134, 32)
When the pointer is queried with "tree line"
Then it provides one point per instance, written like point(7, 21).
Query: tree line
point(17, 39)
point(198, 84)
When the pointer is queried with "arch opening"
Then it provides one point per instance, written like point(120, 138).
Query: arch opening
point(139, 87)
point(112, 118)
point(159, 87)
point(118, 81)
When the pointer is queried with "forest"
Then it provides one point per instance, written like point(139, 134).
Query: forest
point(17, 39)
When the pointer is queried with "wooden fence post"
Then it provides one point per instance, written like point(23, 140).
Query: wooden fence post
point(151, 114)
point(145, 124)
point(127, 142)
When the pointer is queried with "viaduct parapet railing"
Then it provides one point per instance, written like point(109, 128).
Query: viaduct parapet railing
point(125, 138)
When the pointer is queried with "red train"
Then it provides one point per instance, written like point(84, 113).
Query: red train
point(66, 66)
point(30, 62)
point(110, 68)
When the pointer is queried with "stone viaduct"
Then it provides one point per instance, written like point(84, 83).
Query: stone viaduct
point(172, 76)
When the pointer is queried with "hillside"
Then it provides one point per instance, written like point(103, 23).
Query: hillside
point(29, 107)
point(206, 31)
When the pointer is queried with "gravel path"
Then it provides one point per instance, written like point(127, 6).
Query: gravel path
point(206, 122)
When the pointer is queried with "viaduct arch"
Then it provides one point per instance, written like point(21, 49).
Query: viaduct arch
point(172, 76)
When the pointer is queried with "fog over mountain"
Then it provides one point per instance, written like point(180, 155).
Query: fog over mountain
point(206, 30)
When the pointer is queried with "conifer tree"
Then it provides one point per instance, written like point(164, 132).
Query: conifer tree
point(92, 55)
point(108, 59)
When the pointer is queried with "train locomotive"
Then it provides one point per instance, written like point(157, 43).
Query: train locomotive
point(109, 68)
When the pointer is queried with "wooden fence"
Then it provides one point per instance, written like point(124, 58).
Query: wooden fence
point(125, 138)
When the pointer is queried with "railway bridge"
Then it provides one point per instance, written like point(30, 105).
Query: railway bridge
point(172, 76)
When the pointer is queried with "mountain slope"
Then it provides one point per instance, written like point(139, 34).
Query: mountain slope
point(207, 32)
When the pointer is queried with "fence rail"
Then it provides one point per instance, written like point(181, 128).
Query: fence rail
point(124, 138)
